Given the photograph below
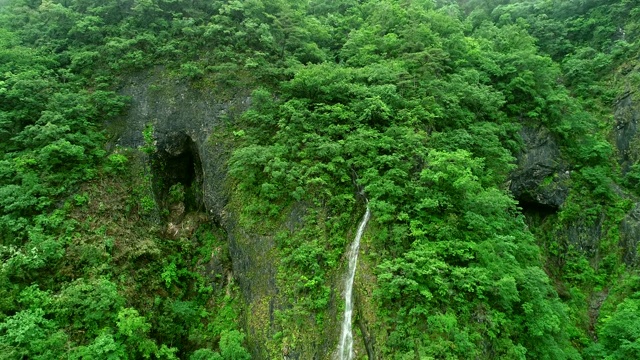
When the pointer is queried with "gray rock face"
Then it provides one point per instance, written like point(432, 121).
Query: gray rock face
point(184, 122)
point(585, 235)
point(627, 139)
point(630, 236)
point(541, 177)
point(627, 115)
point(183, 118)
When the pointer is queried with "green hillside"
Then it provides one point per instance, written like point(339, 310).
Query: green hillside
point(181, 179)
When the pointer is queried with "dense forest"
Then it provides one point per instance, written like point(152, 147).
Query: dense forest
point(181, 179)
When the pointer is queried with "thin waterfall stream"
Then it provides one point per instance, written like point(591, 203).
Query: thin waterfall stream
point(345, 350)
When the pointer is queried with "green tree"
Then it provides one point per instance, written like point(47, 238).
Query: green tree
point(29, 334)
point(619, 333)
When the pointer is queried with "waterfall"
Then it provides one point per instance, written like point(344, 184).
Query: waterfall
point(345, 350)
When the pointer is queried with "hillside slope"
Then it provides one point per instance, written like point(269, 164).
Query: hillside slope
point(182, 179)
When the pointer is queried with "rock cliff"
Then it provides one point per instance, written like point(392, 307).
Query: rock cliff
point(627, 115)
point(183, 122)
point(189, 133)
point(541, 178)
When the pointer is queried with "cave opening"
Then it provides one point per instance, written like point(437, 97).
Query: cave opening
point(177, 173)
point(536, 212)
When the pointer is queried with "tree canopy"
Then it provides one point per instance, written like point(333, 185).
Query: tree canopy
point(415, 105)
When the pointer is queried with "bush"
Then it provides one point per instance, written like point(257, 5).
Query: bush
point(116, 163)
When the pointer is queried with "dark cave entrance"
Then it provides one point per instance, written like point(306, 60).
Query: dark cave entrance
point(536, 215)
point(177, 173)
point(536, 210)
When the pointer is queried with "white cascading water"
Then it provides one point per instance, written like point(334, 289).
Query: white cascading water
point(345, 350)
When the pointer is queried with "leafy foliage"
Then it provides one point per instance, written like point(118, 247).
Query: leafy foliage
point(421, 128)
point(415, 106)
